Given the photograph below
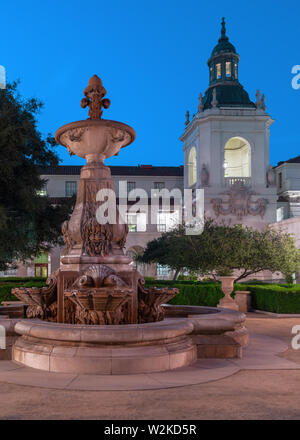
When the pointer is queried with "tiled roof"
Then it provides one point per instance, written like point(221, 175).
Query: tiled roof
point(141, 170)
point(293, 160)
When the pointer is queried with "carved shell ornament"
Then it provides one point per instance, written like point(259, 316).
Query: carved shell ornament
point(99, 276)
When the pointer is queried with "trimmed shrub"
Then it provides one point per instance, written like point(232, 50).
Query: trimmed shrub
point(193, 294)
point(5, 293)
point(198, 295)
point(5, 289)
point(20, 280)
point(274, 298)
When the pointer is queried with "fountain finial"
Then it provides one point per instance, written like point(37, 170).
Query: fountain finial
point(94, 94)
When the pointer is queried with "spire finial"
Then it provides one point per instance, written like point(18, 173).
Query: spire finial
point(187, 118)
point(223, 30)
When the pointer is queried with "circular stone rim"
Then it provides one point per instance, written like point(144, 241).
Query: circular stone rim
point(108, 334)
point(94, 123)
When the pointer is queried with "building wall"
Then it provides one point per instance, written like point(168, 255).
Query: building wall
point(209, 132)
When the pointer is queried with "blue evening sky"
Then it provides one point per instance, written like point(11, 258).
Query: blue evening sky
point(151, 56)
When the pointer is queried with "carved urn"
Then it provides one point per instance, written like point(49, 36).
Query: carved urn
point(227, 301)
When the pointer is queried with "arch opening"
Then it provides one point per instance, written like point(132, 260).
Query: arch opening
point(192, 166)
point(237, 161)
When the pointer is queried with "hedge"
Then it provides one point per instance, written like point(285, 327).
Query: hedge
point(274, 298)
point(5, 290)
point(193, 294)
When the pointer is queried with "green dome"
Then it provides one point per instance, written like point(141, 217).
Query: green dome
point(228, 96)
point(223, 46)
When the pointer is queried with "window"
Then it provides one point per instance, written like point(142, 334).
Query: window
point(161, 222)
point(218, 70)
point(210, 74)
point(192, 167)
point(237, 160)
point(235, 71)
point(136, 221)
point(132, 222)
point(159, 185)
point(9, 273)
point(42, 192)
point(130, 186)
point(162, 271)
point(280, 180)
point(228, 69)
point(41, 265)
point(167, 220)
point(2, 77)
point(71, 188)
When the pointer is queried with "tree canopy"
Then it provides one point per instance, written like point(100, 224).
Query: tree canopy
point(29, 222)
point(220, 249)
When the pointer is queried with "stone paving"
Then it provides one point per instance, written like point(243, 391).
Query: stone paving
point(263, 385)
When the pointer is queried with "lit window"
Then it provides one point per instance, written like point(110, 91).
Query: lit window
point(218, 71)
point(137, 221)
point(71, 188)
point(130, 186)
point(132, 222)
point(162, 271)
point(2, 77)
point(41, 193)
point(167, 220)
point(228, 69)
point(192, 167)
point(235, 71)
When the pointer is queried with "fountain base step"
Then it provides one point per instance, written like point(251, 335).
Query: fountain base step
point(192, 332)
point(132, 349)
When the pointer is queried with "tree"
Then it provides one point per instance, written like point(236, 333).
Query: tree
point(220, 249)
point(29, 222)
point(167, 250)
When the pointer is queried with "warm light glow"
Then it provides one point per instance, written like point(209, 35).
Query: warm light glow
point(237, 158)
point(192, 167)
point(228, 69)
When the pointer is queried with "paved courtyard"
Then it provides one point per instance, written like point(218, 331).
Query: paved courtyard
point(269, 391)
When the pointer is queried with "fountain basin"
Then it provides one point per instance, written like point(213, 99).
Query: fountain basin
point(95, 140)
point(132, 348)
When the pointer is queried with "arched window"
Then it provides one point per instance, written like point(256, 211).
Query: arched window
point(192, 166)
point(2, 77)
point(237, 160)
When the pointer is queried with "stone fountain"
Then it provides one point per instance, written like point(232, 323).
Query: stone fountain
point(96, 283)
point(95, 316)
